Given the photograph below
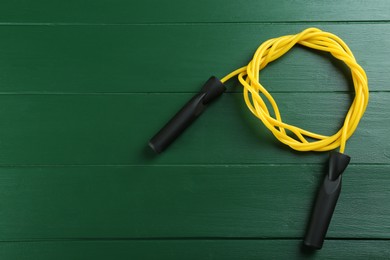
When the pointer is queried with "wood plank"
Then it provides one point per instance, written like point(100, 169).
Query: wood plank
point(177, 58)
point(115, 129)
point(126, 202)
point(193, 249)
point(153, 11)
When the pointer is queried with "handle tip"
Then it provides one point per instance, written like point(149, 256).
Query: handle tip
point(153, 147)
point(312, 246)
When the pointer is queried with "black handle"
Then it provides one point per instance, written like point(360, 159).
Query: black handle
point(326, 201)
point(212, 89)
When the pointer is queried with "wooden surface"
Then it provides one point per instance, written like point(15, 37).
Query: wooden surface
point(84, 85)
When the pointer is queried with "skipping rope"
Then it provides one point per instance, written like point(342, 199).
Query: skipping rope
point(292, 136)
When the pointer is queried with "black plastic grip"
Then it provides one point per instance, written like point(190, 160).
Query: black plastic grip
point(326, 201)
point(212, 89)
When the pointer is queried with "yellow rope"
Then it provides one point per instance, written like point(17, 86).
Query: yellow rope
point(275, 48)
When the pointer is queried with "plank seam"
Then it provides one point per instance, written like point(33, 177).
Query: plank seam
point(180, 165)
point(178, 93)
point(89, 239)
point(380, 21)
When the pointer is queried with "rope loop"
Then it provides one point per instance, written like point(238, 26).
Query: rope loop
point(271, 50)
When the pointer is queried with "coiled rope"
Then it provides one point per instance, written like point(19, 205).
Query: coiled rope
point(271, 50)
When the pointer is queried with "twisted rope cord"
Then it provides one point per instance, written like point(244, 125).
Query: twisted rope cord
point(271, 50)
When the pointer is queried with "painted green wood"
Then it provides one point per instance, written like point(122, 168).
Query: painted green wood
point(177, 58)
point(85, 84)
point(152, 11)
point(115, 129)
point(268, 201)
point(193, 249)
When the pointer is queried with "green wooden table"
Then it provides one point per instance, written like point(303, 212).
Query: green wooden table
point(85, 84)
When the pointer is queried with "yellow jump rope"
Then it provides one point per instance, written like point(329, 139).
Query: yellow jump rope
point(275, 48)
point(249, 77)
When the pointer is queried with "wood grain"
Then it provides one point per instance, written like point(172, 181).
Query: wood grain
point(177, 58)
point(85, 84)
point(115, 129)
point(128, 202)
point(193, 249)
point(201, 11)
